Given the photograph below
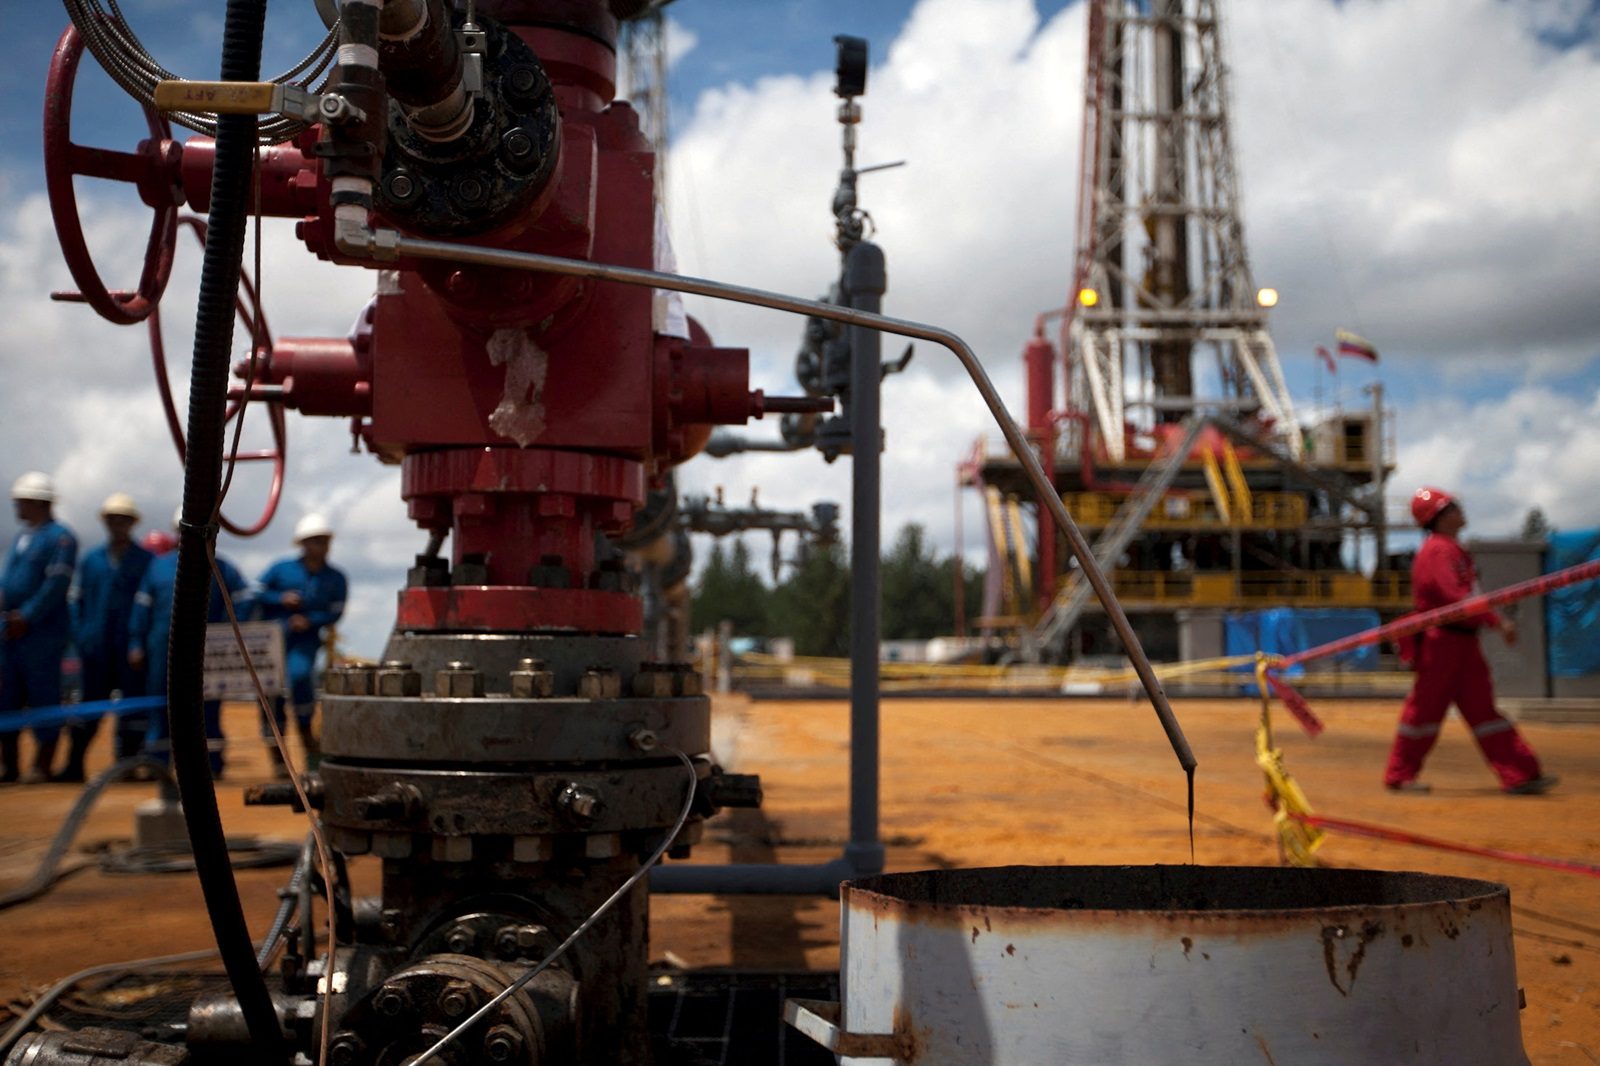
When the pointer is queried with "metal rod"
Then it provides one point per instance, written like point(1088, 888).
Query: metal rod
point(865, 282)
point(393, 244)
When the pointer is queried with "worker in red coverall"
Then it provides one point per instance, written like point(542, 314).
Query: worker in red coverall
point(1450, 665)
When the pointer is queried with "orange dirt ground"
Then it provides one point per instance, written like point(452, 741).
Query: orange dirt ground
point(965, 783)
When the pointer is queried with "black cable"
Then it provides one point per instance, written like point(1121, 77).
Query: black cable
point(243, 28)
point(49, 871)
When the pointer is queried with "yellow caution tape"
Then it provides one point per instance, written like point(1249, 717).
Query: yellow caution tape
point(1297, 840)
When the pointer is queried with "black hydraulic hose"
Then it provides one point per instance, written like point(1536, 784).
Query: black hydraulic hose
point(243, 27)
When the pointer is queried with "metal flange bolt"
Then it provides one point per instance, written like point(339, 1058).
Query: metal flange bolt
point(391, 1002)
point(599, 683)
point(345, 1050)
point(642, 739)
point(460, 940)
point(518, 941)
point(395, 678)
point(456, 999)
point(532, 679)
point(584, 804)
point(458, 680)
point(653, 681)
point(502, 1044)
point(348, 681)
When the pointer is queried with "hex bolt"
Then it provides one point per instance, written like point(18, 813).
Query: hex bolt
point(400, 186)
point(455, 999)
point(644, 739)
point(345, 1049)
point(505, 942)
point(523, 80)
point(532, 680)
point(458, 680)
point(528, 936)
point(396, 678)
point(460, 940)
point(584, 804)
point(392, 923)
point(599, 683)
point(502, 1043)
point(469, 190)
point(391, 1002)
point(653, 681)
point(517, 144)
point(357, 680)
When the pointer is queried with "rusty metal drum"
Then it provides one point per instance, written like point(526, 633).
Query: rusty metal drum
point(1103, 965)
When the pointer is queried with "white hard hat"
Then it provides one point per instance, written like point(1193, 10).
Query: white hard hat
point(120, 503)
point(312, 525)
point(34, 486)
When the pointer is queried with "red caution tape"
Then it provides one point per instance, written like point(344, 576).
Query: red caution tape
point(1396, 836)
point(1455, 612)
point(1296, 705)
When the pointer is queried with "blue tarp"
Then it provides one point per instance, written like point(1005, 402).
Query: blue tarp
point(1286, 630)
point(1572, 614)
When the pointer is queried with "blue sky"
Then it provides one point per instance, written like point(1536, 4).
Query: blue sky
point(1421, 172)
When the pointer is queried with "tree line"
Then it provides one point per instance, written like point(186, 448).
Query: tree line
point(811, 605)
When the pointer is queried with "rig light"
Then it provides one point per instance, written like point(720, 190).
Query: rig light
point(1267, 297)
point(1088, 297)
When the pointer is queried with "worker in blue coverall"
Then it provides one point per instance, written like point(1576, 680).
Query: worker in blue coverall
point(108, 579)
point(148, 630)
point(37, 622)
point(306, 594)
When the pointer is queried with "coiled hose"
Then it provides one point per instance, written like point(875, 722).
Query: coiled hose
point(243, 27)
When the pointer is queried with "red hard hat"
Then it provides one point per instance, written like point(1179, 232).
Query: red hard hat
point(158, 542)
point(1428, 502)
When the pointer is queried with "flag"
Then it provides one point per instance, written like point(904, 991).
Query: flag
point(1327, 359)
point(1354, 346)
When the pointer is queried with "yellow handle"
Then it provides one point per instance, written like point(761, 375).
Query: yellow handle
point(217, 97)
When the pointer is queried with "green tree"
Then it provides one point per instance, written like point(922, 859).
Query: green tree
point(918, 589)
point(813, 606)
point(730, 590)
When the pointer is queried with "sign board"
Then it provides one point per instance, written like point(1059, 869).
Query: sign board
point(226, 675)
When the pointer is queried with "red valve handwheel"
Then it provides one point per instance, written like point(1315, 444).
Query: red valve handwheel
point(249, 307)
point(154, 168)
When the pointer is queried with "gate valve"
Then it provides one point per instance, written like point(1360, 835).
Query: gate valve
point(154, 168)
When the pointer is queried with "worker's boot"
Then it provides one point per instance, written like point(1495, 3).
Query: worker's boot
point(79, 736)
point(43, 759)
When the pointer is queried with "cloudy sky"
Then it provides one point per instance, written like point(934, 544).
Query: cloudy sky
point(1424, 172)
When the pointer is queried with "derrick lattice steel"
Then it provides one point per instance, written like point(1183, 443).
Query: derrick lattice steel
point(1162, 272)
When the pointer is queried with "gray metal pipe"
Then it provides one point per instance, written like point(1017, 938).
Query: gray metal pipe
point(865, 281)
point(388, 245)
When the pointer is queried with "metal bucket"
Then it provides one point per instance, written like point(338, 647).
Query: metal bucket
point(1101, 965)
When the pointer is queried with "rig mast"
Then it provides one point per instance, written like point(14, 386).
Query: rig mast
point(1163, 275)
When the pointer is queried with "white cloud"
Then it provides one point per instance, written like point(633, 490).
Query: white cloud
point(1534, 447)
